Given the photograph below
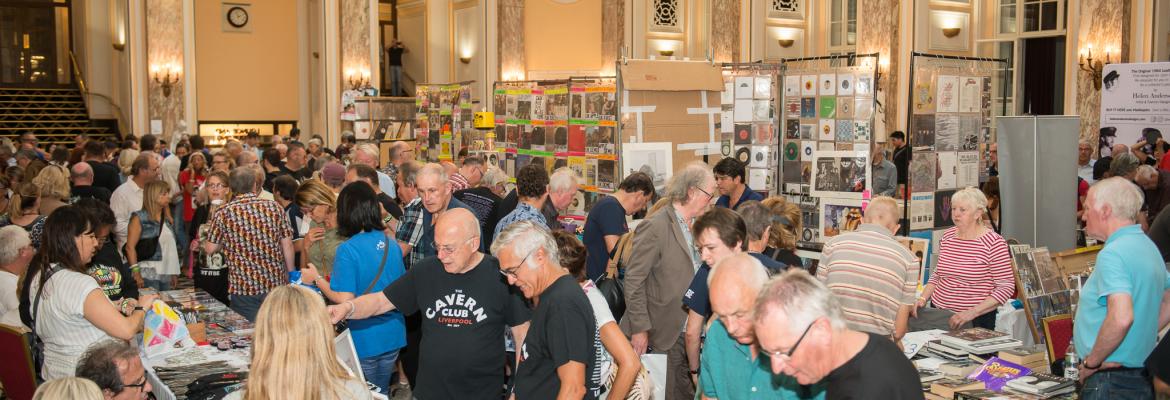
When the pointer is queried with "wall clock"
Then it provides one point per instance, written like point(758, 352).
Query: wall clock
point(237, 16)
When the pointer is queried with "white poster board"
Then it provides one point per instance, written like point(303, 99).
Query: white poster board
point(1135, 101)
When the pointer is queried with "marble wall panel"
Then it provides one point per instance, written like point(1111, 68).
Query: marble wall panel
point(164, 49)
point(511, 39)
point(1104, 23)
point(725, 30)
point(613, 29)
point(355, 39)
point(879, 32)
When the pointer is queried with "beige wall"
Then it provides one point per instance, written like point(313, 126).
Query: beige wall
point(247, 76)
point(412, 30)
point(562, 37)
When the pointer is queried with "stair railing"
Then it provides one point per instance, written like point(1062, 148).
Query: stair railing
point(85, 93)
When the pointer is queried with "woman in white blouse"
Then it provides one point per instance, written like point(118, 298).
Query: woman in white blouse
point(73, 312)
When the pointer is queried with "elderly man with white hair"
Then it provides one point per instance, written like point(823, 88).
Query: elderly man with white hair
point(557, 358)
point(873, 276)
point(368, 154)
point(732, 365)
point(435, 191)
point(799, 325)
point(16, 252)
point(1125, 302)
point(665, 258)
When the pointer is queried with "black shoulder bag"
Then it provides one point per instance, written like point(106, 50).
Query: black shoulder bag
point(381, 267)
point(36, 345)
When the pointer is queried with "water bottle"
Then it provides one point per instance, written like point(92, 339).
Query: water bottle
point(1071, 361)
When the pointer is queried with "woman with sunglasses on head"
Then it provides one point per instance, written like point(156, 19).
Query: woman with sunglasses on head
point(208, 270)
point(367, 262)
point(73, 312)
point(319, 204)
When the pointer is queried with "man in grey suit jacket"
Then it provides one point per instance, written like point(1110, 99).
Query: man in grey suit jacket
point(663, 262)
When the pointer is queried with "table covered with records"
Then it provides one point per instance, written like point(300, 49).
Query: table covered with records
point(217, 362)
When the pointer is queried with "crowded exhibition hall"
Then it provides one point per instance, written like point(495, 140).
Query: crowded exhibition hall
point(584, 199)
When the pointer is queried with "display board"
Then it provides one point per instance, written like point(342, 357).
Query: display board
point(1134, 104)
point(1037, 150)
point(443, 122)
point(1040, 286)
point(565, 123)
point(949, 129)
point(827, 110)
point(748, 122)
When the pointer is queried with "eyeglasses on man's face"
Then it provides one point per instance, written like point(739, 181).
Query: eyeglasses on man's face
point(511, 272)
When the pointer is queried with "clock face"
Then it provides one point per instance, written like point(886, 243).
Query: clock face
point(237, 16)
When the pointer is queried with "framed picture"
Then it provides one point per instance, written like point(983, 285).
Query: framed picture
point(655, 159)
point(839, 216)
point(840, 174)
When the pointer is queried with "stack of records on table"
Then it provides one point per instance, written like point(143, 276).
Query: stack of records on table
point(983, 394)
point(940, 350)
point(949, 386)
point(1034, 357)
point(979, 340)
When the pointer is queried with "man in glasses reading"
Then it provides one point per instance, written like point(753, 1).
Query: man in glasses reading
point(800, 327)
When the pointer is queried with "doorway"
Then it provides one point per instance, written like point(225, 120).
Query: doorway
point(35, 40)
point(1042, 76)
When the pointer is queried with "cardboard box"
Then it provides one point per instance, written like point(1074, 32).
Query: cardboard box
point(675, 90)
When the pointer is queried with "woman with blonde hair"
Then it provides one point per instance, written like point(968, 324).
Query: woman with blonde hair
point(292, 352)
point(53, 184)
point(68, 388)
point(22, 212)
point(785, 231)
point(150, 244)
point(319, 204)
point(126, 161)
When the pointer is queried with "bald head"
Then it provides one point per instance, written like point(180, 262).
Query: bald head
point(733, 286)
point(81, 174)
point(457, 222)
point(1119, 149)
point(883, 211)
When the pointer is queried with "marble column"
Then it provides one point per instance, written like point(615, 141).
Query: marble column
point(511, 40)
point(164, 49)
point(355, 40)
point(613, 29)
point(1104, 24)
point(725, 30)
point(879, 32)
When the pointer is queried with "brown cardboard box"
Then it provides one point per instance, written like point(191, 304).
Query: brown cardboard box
point(672, 87)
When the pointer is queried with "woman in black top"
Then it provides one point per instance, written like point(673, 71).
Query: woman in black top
point(209, 271)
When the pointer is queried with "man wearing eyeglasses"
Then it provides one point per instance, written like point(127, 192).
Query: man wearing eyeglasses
point(465, 305)
point(664, 259)
point(434, 189)
point(800, 327)
point(115, 367)
point(557, 359)
point(732, 366)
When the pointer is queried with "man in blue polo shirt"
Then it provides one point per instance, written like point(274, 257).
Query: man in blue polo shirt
point(730, 178)
point(732, 366)
point(1117, 320)
point(606, 222)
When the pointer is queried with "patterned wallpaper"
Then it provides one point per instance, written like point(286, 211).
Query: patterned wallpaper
point(1109, 20)
point(164, 47)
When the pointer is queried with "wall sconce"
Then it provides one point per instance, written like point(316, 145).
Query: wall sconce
point(785, 38)
point(357, 79)
point(666, 52)
point(786, 43)
point(465, 56)
point(951, 32)
point(166, 81)
point(1094, 67)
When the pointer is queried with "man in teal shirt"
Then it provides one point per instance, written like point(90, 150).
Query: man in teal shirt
point(1125, 301)
point(731, 365)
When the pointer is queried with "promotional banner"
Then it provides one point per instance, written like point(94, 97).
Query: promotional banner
point(1135, 104)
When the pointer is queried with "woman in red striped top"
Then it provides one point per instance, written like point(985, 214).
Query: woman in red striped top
point(974, 272)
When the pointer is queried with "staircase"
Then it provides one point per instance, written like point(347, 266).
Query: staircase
point(54, 115)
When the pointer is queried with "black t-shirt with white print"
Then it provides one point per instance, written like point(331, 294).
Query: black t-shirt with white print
point(463, 322)
point(561, 331)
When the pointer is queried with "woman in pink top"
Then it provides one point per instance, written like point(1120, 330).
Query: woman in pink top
point(974, 272)
point(191, 180)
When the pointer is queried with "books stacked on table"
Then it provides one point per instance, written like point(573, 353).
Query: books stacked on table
point(979, 340)
point(949, 386)
point(1006, 395)
point(1034, 357)
point(938, 349)
point(1041, 384)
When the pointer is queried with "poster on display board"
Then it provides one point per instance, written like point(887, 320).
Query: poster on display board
point(444, 118)
point(840, 174)
point(839, 216)
point(1135, 104)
